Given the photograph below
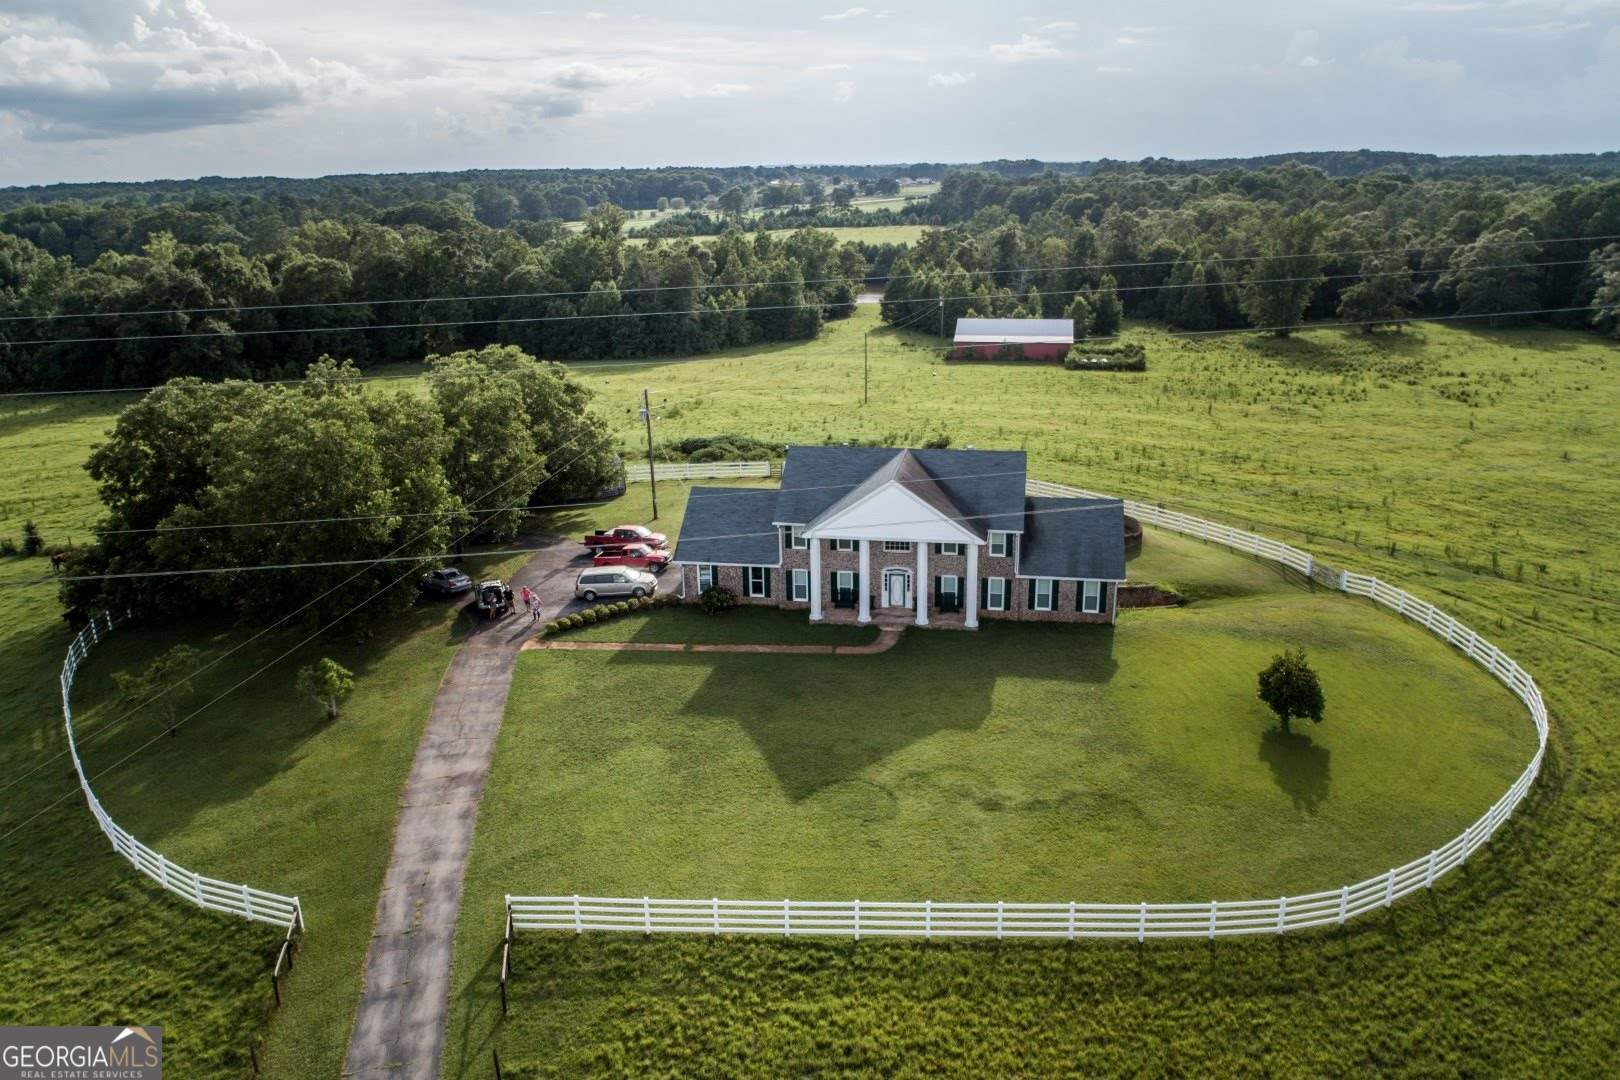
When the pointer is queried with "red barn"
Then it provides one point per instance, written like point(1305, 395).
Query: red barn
point(1013, 339)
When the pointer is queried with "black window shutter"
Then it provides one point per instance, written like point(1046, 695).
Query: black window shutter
point(1032, 594)
point(1080, 596)
point(767, 583)
point(984, 593)
point(936, 588)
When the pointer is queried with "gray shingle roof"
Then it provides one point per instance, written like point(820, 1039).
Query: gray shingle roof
point(729, 525)
point(1015, 329)
point(1074, 538)
point(986, 486)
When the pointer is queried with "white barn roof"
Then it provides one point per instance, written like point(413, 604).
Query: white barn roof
point(1014, 331)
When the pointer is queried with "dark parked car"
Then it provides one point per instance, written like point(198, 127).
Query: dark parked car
point(494, 598)
point(446, 581)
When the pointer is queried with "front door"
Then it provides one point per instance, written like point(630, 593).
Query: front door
point(896, 589)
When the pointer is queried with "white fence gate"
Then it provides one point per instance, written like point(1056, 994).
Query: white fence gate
point(1071, 919)
point(205, 892)
point(711, 470)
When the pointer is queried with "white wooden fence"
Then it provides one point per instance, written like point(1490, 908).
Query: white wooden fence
point(684, 470)
point(205, 892)
point(1071, 919)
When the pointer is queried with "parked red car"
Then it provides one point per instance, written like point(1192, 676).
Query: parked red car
point(627, 534)
point(637, 555)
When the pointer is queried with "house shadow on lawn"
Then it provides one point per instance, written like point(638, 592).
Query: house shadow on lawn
point(1299, 767)
point(820, 720)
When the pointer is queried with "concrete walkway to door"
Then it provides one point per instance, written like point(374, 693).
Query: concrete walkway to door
point(399, 1029)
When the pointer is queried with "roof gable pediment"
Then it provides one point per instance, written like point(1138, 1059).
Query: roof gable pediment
point(893, 510)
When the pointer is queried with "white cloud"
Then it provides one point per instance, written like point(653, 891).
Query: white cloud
point(847, 13)
point(827, 67)
point(132, 67)
point(1062, 28)
point(950, 79)
point(1113, 69)
point(843, 92)
point(1301, 47)
point(722, 90)
point(1126, 39)
point(1027, 47)
point(1309, 61)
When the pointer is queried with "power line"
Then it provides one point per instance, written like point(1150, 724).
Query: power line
point(721, 285)
point(111, 725)
point(530, 319)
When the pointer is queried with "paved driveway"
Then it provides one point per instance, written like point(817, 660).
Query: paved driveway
point(400, 1027)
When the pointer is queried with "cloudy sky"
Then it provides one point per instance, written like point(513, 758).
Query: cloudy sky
point(135, 89)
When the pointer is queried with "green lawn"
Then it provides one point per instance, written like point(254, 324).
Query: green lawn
point(1024, 762)
point(1475, 466)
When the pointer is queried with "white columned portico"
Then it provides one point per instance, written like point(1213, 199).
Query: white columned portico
point(972, 620)
point(920, 588)
point(815, 579)
point(865, 582)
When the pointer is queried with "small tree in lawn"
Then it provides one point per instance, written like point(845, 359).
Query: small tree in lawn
point(1291, 688)
point(328, 682)
point(165, 684)
point(32, 543)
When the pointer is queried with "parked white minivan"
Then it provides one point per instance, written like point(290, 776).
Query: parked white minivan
point(615, 581)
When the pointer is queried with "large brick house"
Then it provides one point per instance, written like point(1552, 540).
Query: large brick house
point(936, 537)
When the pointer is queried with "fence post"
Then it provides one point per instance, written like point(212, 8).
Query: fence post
point(1141, 923)
point(1212, 920)
point(247, 901)
point(715, 900)
point(578, 928)
point(1000, 918)
point(163, 870)
point(1344, 903)
point(1389, 888)
point(857, 920)
point(1282, 913)
point(1428, 873)
point(928, 920)
point(646, 916)
point(1071, 920)
point(787, 918)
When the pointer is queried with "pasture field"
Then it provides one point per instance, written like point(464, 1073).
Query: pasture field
point(1475, 466)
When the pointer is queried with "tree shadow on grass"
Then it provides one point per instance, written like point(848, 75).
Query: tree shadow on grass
point(820, 720)
point(1299, 767)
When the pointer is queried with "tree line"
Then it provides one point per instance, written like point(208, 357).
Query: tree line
point(1266, 249)
point(271, 314)
point(197, 475)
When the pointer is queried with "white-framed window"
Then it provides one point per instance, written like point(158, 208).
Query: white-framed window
point(897, 545)
point(801, 586)
point(1000, 544)
point(1044, 594)
point(795, 539)
point(843, 545)
point(1091, 596)
point(950, 549)
point(995, 594)
point(758, 580)
point(705, 577)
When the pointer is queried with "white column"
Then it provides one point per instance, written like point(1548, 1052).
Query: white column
point(815, 579)
point(865, 582)
point(921, 588)
point(972, 587)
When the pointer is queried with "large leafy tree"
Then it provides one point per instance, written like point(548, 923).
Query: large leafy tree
point(1281, 281)
point(1603, 270)
point(1495, 274)
point(1383, 297)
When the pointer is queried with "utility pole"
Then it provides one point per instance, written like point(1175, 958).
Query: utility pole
point(866, 364)
point(652, 474)
point(942, 317)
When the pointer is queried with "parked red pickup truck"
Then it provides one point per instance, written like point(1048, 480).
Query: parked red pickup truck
point(626, 534)
point(637, 555)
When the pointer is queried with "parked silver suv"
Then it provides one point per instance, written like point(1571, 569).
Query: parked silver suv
point(615, 581)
